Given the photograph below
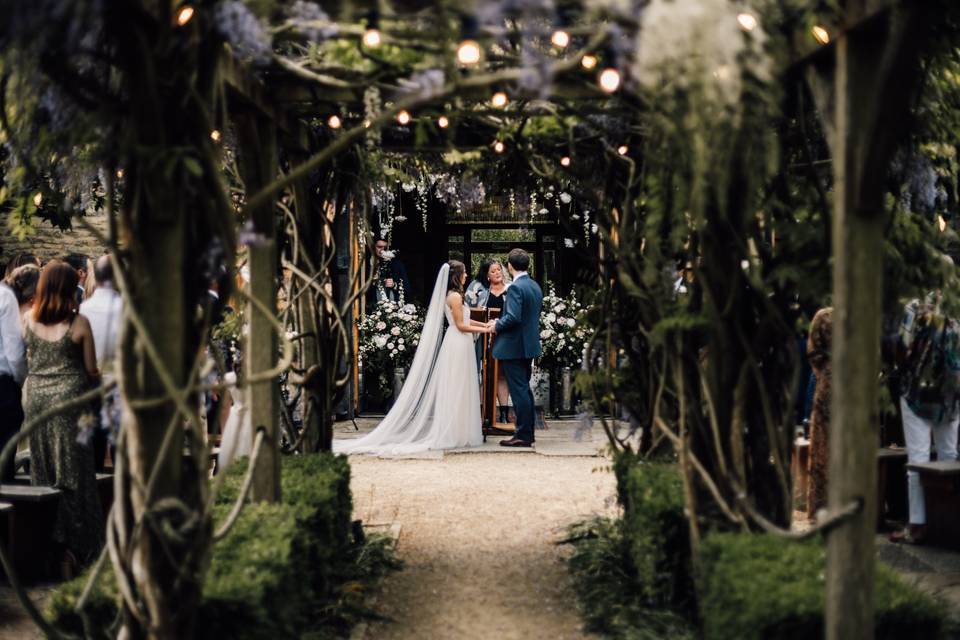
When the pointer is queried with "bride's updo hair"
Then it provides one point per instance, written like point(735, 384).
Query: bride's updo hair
point(455, 279)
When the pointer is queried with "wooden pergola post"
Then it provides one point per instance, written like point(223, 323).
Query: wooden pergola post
point(257, 160)
point(864, 93)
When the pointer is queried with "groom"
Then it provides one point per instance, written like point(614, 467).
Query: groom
point(518, 342)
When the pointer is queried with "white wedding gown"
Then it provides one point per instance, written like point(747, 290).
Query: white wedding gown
point(439, 405)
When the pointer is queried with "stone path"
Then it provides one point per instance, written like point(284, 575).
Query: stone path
point(478, 535)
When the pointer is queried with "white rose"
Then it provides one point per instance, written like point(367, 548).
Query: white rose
point(400, 341)
point(395, 331)
point(551, 317)
point(546, 333)
point(390, 346)
point(401, 347)
point(565, 198)
point(380, 341)
point(560, 307)
point(409, 308)
point(381, 326)
point(571, 322)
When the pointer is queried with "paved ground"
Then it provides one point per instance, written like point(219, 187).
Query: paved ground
point(478, 535)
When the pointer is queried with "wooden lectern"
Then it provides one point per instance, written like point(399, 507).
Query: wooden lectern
point(488, 389)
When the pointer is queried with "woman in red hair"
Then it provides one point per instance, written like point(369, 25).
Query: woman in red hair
point(61, 365)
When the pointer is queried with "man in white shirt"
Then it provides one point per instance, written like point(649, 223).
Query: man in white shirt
point(13, 371)
point(104, 310)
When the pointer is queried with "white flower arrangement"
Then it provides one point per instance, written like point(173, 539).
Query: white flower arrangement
point(563, 332)
point(389, 335)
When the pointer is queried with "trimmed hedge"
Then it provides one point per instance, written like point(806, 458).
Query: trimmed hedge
point(764, 587)
point(656, 531)
point(275, 575)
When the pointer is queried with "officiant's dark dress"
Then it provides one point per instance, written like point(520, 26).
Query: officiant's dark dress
point(55, 373)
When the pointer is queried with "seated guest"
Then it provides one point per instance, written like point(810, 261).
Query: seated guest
point(24, 281)
point(61, 365)
point(104, 310)
point(13, 368)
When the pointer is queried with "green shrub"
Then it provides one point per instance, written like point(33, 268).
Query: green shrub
point(656, 530)
point(283, 570)
point(764, 587)
point(612, 599)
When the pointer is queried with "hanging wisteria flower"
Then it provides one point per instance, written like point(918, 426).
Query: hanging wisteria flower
point(243, 30)
point(309, 19)
point(565, 198)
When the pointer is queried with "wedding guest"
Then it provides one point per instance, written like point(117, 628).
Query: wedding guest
point(79, 262)
point(929, 356)
point(24, 281)
point(13, 369)
point(818, 353)
point(19, 260)
point(390, 276)
point(104, 310)
point(61, 365)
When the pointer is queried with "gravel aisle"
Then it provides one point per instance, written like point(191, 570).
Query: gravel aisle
point(477, 539)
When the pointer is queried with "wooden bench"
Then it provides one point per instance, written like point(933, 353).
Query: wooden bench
point(941, 491)
point(35, 511)
point(891, 485)
point(6, 530)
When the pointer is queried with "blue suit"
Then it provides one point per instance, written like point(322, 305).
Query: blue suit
point(516, 344)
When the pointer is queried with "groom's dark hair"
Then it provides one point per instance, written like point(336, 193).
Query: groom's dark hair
point(519, 259)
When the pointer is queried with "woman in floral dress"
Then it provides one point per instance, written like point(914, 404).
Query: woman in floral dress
point(818, 352)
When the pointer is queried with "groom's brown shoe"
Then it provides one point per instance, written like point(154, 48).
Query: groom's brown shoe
point(514, 442)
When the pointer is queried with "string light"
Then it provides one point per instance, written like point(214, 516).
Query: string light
point(468, 52)
point(941, 222)
point(622, 149)
point(560, 39)
point(747, 21)
point(37, 199)
point(215, 135)
point(499, 99)
point(588, 61)
point(334, 121)
point(403, 117)
point(184, 15)
point(499, 147)
point(609, 79)
point(820, 34)
point(443, 122)
point(119, 173)
point(565, 161)
point(371, 38)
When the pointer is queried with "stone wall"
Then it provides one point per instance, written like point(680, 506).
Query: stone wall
point(50, 242)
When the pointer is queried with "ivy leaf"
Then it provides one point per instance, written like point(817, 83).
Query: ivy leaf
point(192, 165)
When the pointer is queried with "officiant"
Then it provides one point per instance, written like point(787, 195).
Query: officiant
point(390, 276)
point(489, 291)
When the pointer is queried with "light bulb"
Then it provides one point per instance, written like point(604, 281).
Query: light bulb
point(822, 35)
point(371, 38)
point(609, 79)
point(366, 124)
point(499, 99)
point(184, 15)
point(37, 199)
point(499, 146)
point(622, 149)
point(119, 173)
point(468, 52)
point(215, 135)
point(747, 21)
point(565, 161)
point(334, 121)
point(560, 39)
point(443, 122)
point(588, 61)
point(403, 117)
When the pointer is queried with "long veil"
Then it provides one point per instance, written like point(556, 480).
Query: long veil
point(407, 427)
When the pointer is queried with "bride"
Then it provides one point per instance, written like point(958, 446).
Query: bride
point(439, 405)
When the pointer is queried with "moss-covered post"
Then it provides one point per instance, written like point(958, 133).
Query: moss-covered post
point(871, 77)
point(257, 157)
